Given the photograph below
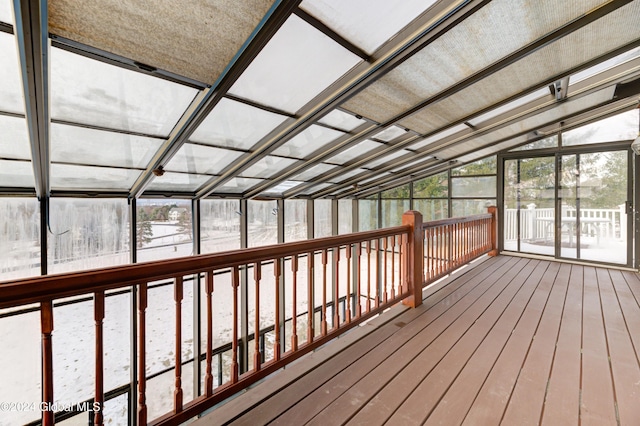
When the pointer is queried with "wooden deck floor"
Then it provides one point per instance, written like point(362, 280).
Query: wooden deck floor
point(512, 341)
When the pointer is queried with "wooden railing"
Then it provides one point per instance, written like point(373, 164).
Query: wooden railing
point(364, 273)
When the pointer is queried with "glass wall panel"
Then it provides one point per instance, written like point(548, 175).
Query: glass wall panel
point(486, 166)
point(163, 229)
point(399, 192)
point(219, 225)
point(19, 238)
point(295, 66)
point(295, 220)
point(87, 234)
point(434, 209)
point(550, 142)
point(262, 222)
point(436, 186)
point(392, 211)
point(481, 186)
point(367, 215)
point(236, 125)
point(322, 218)
point(88, 91)
point(345, 217)
point(617, 128)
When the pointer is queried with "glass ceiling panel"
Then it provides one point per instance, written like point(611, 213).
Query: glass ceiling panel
point(345, 176)
point(411, 164)
point(389, 134)
point(14, 139)
point(387, 158)
point(295, 66)
point(6, 12)
point(66, 177)
point(365, 23)
point(72, 144)
point(315, 188)
point(236, 125)
point(267, 167)
point(16, 174)
point(314, 172)
point(511, 105)
point(11, 97)
point(92, 92)
point(310, 140)
point(619, 127)
point(341, 120)
point(490, 34)
point(376, 177)
point(616, 60)
point(238, 185)
point(198, 159)
point(282, 187)
point(354, 152)
point(440, 135)
point(178, 182)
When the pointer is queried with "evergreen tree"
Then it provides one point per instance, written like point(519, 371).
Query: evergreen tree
point(144, 231)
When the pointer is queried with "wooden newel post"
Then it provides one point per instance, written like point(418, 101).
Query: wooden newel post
point(414, 259)
point(493, 211)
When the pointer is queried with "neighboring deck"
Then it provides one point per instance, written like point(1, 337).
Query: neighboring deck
point(510, 341)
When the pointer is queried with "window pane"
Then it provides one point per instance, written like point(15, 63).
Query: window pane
point(14, 139)
point(436, 186)
point(295, 66)
point(367, 215)
point(617, 128)
point(19, 238)
point(267, 167)
point(178, 182)
point(550, 142)
point(341, 120)
point(307, 142)
point(11, 97)
point(64, 176)
point(486, 166)
point(474, 187)
point(16, 174)
point(365, 23)
point(432, 209)
point(220, 225)
point(87, 234)
point(163, 229)
point(470, 207)
point(392, 211)
point(322, 218)
point(345, 217)
point(399, 192)
point(200, 159)
point(262, 222)
point(295, 220)
point(236, 125)
point(72, 144)
point(87, 91)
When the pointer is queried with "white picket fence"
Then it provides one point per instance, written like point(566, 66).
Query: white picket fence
point(537, 224)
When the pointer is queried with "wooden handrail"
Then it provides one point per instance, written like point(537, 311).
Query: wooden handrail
point(455, 220)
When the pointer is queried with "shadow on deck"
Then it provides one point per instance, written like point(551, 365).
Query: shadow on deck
point(507, 341)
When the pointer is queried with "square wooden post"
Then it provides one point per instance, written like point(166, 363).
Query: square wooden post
point(493, 211)
point(414, 259)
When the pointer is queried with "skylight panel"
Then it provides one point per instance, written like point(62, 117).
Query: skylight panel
point(14, 139)
point(310, 140)
point(314, 172)
point(348, 175)
point(283, 187)
point(88, 91)
point(354, 152)
point(315, 188)
point(66, 177)
point(438, 136)
point(11, 95)
point(341, 120)
point(198, 159)
point(267, 167)
point(185, 182)
point(411, 164)
point(80, 145)
point(389, 133)
point(365, 23)
point(295, 66)
point(387, 158)
point(238, 185)
point(236, 125)
point(602, 66)
point(510, 106)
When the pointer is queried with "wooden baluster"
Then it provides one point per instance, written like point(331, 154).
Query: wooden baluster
point(142, 353)
point(277, 350)
point(294, 310)
point(257, 355)
point(208, 379)
point(378, 271)
point(336, 288)
point(234, 342)
point(98, 311)
point(310, 298)
point(46, 328)
point(178, 290)
point(359, 283)
point(385, 248)
point(368, 276)
point(402, 253)
point(323, 324)
point(348, 299)
point(393, 266)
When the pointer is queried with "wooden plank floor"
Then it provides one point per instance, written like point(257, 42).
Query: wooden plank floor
point(511, 341)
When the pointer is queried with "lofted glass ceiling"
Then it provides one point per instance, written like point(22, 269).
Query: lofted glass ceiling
point(296, 65)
